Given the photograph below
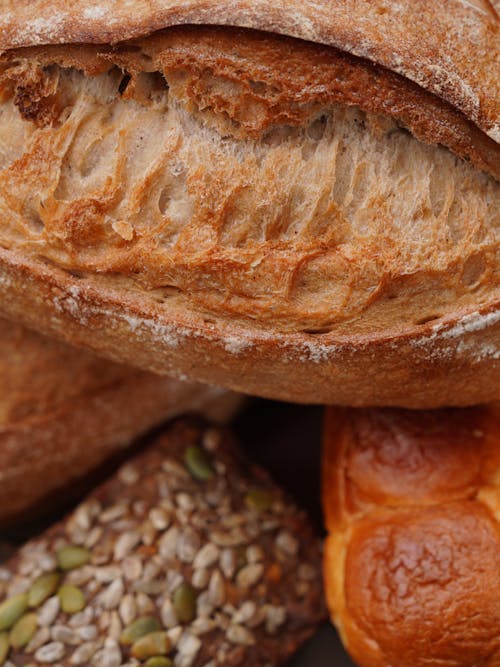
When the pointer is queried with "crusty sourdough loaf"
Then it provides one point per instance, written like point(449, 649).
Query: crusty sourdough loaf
point(412, 564)
point(64, 411)
point(257, 211)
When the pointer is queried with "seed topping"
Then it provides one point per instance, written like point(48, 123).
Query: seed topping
point(11, 610)
point(199, 464)
point(69, 558)
point(153, 579)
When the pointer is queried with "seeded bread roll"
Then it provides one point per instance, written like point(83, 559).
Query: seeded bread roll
point(412, 563)
point(283, 217)
point(188, 556)
point(64, 411)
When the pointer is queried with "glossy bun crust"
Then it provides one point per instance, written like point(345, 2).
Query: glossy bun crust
point(412, 562)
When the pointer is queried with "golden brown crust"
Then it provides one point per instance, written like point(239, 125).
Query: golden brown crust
point(429, 43)
point(229, 206)
point(273, 81)
point(454, 363)
point(412, 562)
point(64, 411)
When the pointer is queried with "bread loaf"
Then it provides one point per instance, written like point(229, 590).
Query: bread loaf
point(189, 556)
point(229, 205)
point(64, 411)
point(412, 562)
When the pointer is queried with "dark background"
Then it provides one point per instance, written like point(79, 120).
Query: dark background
point(286, 439)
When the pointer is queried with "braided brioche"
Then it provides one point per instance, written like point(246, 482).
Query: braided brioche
point(412, 563)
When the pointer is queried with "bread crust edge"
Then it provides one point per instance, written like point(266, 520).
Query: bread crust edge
point(454, 363)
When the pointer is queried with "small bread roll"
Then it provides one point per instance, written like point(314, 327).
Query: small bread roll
point(412, 561)
point(64, 411)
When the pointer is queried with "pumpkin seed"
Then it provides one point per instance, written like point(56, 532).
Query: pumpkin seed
point(69, 558)
point(139, 628)
point(42, 588)
point(11, 610)
point(159, 661)
point(154, 644)
point(184, 603)
point(23, 630)
point(259, 500)
point(198, 463)
point(71, 598)
point(4, 647)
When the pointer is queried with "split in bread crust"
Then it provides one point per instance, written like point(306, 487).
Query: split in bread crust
point(412, 563)
point(261, 204)
point(259, 183)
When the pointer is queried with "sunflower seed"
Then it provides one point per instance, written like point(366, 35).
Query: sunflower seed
point(206, 556)
point(168, 615)
point(217, 589)
point(249, 575)
point(255, 554)
point(167, 546)
point(107, 573)
point(48, 611)
point(128, 609)
point(228, 563)
point(132, 568)
point(287, 543)
point(41, 637)
point(84, 653)
point(61, 633)
point(245, 612)
point(109, 656)
point(237, 634)
point(110, 598)
point(128, 474)
point(200, 578)
point(87, 632)
point(50, 652)
point(188, 648)
point(84, 617)
point(201, 626)
point(124, 544)
point(159, 518)
point(188, 544)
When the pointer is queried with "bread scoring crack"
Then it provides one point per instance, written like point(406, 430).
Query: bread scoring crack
point(244, 179)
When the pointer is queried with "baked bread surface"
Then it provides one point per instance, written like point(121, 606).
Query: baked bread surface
point(412, 564)
point(429, 42)
point(64, 411)
point(188, 538)
point(268, 193)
